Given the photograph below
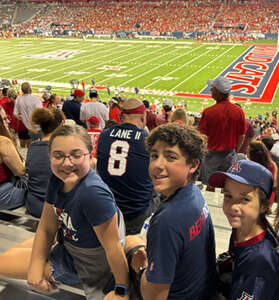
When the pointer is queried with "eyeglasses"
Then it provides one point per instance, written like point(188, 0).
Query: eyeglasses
point(75, 158)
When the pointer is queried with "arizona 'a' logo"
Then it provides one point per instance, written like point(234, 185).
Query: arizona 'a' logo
point(245, 296)
point(235, 168)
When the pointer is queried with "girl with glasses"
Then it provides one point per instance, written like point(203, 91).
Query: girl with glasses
point(81, 233)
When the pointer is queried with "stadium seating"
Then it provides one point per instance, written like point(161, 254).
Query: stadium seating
point(152, 16)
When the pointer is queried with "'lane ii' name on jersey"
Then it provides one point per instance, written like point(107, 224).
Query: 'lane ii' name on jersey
point(125, 134)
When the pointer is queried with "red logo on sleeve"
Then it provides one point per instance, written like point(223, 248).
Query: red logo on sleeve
point(245, 296)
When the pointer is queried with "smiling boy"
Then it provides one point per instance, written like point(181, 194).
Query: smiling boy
point(180, 249)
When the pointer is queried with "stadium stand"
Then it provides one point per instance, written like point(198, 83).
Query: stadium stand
point(209, 20)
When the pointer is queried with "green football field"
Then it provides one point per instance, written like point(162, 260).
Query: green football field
point(158, 68)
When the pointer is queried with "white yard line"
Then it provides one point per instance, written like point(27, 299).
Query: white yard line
point(46, 61)
point(83, 58)
point(14, 55)
point(110, 61)
point(205, 66)
point(33, 47)
point(77, 57)
point(147, 62)
point(142, 74)
point(188, 62)
point(26, 63)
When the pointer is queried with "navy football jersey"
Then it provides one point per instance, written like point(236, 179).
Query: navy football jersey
point(256, 268)
point(123, 165)
point(181, 246)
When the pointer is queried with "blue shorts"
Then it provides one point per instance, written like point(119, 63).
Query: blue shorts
point(62, 266)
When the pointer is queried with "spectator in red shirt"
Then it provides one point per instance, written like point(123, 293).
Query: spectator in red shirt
point(274, 117)
point(114, 109)
point(224, 125)
point(5, 98)
point(150, 116)
point(14, 123)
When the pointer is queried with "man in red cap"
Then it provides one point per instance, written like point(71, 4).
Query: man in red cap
point(122, 162)
point(71, 108)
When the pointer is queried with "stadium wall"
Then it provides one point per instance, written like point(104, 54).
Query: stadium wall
point(158, 35)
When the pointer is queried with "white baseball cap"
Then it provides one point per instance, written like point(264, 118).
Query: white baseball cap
point(221, 83)
point(167, 102)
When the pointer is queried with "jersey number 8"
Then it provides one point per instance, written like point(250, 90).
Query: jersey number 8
point(117, 162)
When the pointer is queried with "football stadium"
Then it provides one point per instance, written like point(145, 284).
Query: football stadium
point(139, 149)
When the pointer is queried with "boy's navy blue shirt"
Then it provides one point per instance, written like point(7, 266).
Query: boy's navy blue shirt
point(256, 268)
point(122, 162)
point(90, 203)
point(181, 246)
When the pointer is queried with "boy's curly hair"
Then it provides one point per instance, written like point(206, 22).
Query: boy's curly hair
point(189, 140)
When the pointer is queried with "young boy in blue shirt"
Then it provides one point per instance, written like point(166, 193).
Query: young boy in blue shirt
point(179, 261)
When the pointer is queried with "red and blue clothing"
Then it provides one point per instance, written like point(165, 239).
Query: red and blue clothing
point(181, 246)
point(256, 267)
point(90, 203)
point(122, 162)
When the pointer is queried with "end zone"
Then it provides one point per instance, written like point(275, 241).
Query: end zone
point(254, 75)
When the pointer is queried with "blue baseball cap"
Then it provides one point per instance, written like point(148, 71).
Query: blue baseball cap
point(246, 172)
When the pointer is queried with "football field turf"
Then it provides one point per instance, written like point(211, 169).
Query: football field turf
point(158, 68)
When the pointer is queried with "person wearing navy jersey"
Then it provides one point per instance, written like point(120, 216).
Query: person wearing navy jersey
point(81, 233)
point(122, 162)
point(250, 268)
point(179, 260)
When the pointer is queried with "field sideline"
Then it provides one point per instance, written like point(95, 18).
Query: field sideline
point(157, 68)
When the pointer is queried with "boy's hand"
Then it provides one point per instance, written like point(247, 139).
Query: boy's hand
point(139, 259)
point(112, 296)
point(44, 288)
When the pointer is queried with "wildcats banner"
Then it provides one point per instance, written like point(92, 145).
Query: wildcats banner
point(254, 75)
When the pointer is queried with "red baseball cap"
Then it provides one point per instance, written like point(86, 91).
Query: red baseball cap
point(78, 93)
point(94, 120)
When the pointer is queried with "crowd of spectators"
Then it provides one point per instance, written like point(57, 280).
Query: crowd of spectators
point(156, 17)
